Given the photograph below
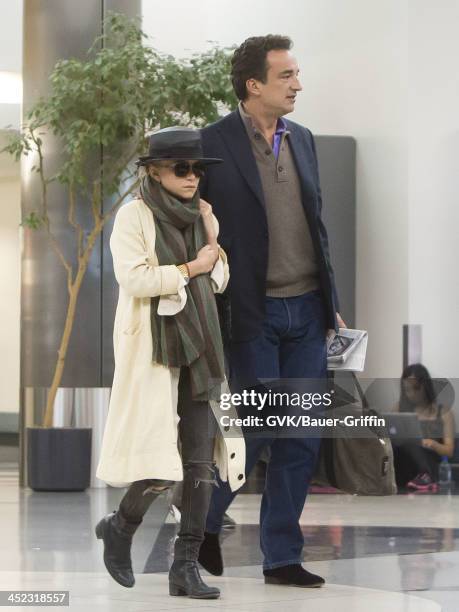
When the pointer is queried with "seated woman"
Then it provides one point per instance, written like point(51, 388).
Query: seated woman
point(416, 465)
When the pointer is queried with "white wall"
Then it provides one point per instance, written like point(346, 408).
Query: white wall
point(11, 36)
point(434, 180)
point(10, 60)
point(10, 275)
point(10, 205)
point(353, 61)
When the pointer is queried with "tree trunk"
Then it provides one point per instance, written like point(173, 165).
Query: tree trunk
point(74, 291)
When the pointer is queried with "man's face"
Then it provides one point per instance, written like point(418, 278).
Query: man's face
point(279, 92)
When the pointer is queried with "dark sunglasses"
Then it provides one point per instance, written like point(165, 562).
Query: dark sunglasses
point(183, 168)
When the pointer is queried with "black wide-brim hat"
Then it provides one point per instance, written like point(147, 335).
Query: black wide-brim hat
point(176, 143)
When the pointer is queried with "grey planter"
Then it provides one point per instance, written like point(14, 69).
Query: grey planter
point(59, 458)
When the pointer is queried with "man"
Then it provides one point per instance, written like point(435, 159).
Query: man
point(281, 295)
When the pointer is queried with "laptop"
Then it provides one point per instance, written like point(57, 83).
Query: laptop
point(403, 427)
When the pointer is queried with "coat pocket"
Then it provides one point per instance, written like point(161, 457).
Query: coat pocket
point(132, 319)
point(133, 330)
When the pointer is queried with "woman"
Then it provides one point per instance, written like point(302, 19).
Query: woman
point(168, 358)
point(416, 466)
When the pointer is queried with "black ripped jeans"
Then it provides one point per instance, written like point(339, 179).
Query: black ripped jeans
point(197, 430)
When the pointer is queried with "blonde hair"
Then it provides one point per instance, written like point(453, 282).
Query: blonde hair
point(145, 170)
point(142, 171)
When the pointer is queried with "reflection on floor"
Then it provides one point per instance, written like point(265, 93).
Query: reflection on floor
point(398, 553)
point(324, 543)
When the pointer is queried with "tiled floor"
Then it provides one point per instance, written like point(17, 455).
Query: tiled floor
point(97, 592)
point(378, 554)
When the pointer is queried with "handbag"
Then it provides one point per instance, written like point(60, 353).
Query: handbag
point(360, 465)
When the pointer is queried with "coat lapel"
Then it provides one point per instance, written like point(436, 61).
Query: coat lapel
point(235, 136)
point(304, 173)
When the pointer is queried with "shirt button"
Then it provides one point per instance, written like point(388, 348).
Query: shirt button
point(232, 455)
point(268, 151)
point(257, 135)
point(240, 477)
point(226, 428)
point(281, 169)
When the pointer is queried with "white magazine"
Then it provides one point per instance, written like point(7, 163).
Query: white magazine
point(350, 357)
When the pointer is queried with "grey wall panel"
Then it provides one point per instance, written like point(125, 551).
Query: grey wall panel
point(336, 155)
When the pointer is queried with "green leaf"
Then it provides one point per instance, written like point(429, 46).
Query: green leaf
point(32, 221)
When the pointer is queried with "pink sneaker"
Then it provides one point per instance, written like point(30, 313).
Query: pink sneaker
point(423, 483)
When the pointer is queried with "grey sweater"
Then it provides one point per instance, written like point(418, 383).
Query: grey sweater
point(292, 266)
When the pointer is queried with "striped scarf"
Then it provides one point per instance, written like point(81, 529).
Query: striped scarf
point(192, 337)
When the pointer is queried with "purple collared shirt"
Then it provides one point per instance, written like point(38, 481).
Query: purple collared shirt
point(281, 127)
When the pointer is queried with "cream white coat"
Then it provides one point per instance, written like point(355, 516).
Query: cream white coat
point(140, 438)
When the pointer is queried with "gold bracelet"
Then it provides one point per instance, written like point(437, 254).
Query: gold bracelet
point(184, 271)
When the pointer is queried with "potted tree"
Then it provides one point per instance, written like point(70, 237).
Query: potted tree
point(108, 102)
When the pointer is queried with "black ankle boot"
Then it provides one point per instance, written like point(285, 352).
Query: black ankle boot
point(185, 580)
point(210, 554)
point(117, 537)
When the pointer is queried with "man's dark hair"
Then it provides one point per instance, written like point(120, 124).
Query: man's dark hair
point(249, 60)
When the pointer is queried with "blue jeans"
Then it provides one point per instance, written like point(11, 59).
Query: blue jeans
point(292, 345)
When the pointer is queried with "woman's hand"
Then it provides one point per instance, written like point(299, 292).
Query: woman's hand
point(204, 262)
point(429, 443)
point(207, 256)
point(207, 217)
point(205, 208)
